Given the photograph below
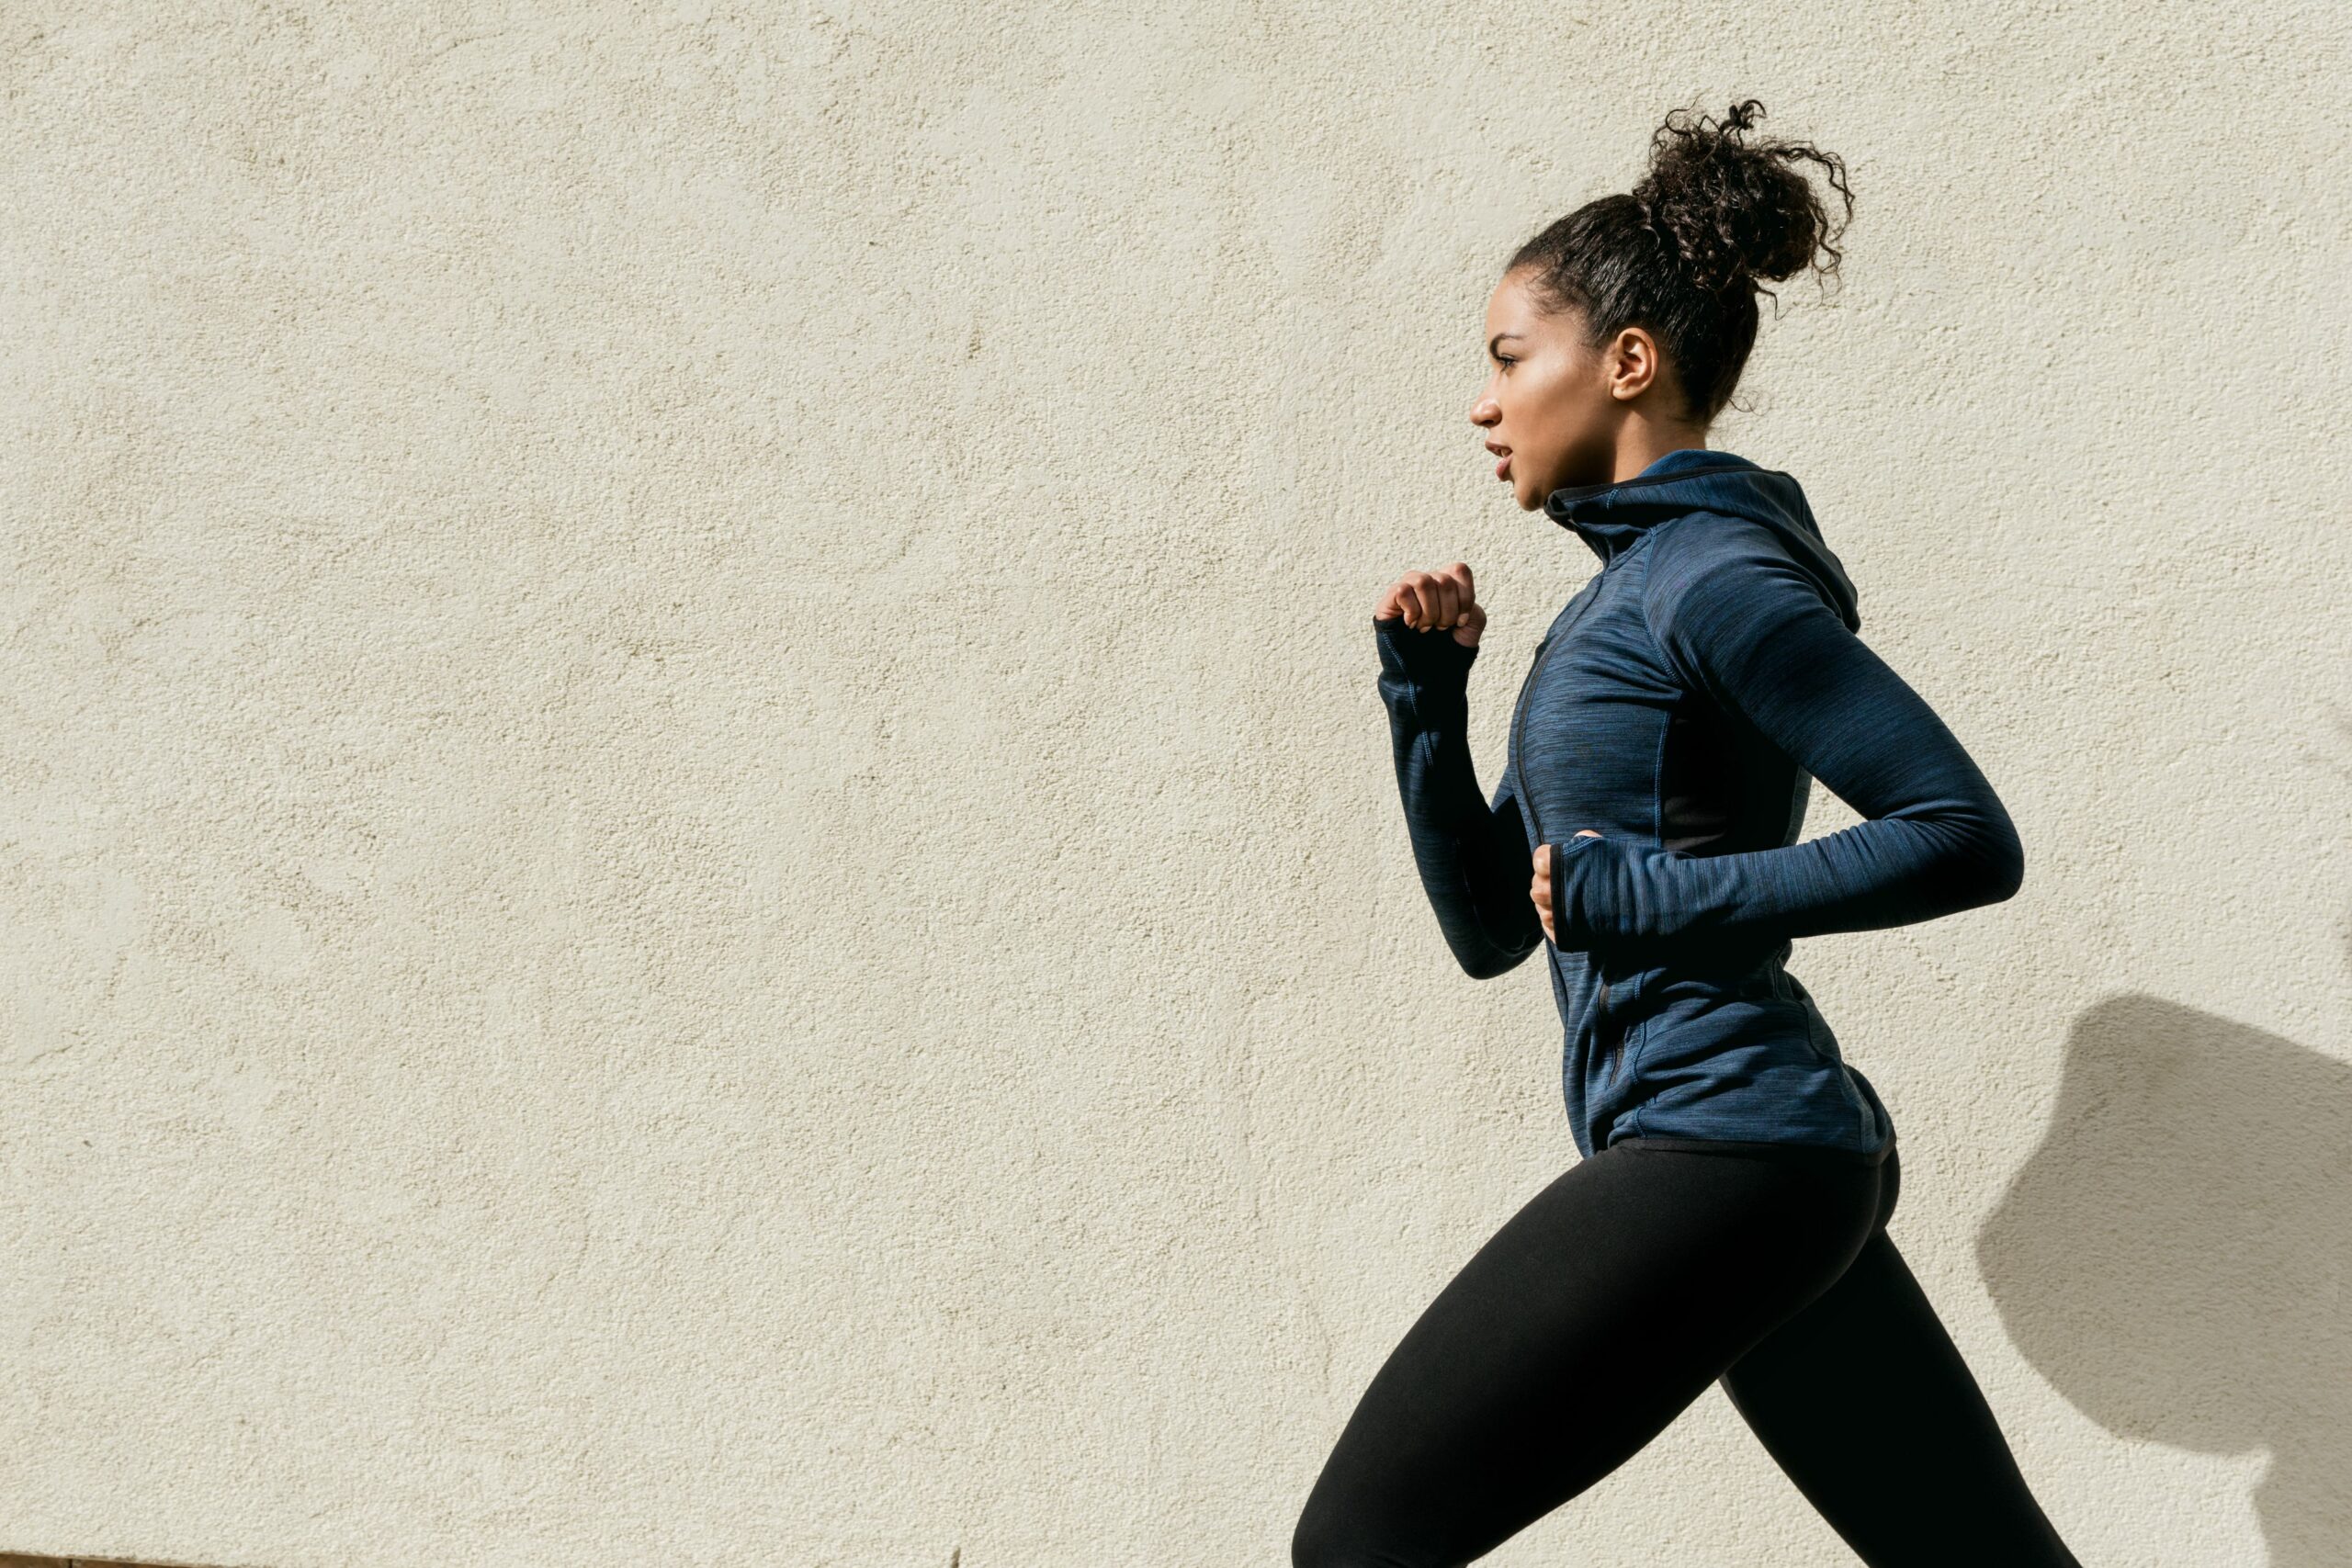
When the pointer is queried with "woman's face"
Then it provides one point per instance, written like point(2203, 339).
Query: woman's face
point(1552, 409)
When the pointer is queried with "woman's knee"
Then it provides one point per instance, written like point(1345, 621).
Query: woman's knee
point(1321, 1542)
point(1331, 1536)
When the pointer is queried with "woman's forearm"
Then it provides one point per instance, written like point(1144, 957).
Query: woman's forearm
point(1887, 871)
point(1472, 855)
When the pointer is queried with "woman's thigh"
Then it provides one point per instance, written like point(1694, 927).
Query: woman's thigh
point(1579, 1330)
point(1865, 1402)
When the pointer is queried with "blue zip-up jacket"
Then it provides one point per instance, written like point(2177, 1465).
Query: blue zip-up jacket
point(1682, 705)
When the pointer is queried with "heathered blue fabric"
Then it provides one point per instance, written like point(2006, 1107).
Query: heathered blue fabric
point(1682, 705)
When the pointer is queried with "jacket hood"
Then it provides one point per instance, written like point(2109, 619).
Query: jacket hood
point(1610, 517)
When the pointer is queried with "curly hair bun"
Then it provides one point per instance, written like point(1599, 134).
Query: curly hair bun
point(1735, 212)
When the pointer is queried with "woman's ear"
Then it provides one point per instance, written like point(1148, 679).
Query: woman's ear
point(1631, 363)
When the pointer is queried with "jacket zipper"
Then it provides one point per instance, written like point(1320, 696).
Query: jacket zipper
point(1519, 724)
point(1610, 1054)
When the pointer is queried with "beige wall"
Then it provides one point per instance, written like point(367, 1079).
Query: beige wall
point(696, 858)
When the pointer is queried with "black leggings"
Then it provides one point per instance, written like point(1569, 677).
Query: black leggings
point(1611, 1301)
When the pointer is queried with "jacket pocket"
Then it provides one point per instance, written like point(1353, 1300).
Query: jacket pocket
point(1616, 1021)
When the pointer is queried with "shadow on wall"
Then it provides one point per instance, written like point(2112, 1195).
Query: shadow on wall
point(2175, 1259)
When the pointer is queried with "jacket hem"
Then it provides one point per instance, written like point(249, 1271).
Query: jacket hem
point(1823, 1154)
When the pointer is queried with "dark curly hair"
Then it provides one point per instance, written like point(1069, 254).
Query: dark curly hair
point(1684, 253)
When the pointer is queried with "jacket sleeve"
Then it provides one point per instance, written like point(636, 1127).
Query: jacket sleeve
point(1472, 855)
point(1739, 620)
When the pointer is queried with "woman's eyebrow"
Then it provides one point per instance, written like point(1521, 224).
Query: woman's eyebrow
point(1498, 337)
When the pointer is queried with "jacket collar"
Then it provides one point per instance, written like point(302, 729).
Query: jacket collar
point(1611, 518)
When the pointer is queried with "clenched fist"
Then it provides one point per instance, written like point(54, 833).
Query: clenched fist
point(1432, 601)
point(1540, 889)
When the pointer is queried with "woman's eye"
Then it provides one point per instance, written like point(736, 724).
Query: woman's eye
point(1504, 361)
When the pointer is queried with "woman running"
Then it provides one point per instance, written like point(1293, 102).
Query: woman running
point(1728, 1219)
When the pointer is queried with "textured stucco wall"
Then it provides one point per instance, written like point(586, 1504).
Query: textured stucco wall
point(697, 858)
